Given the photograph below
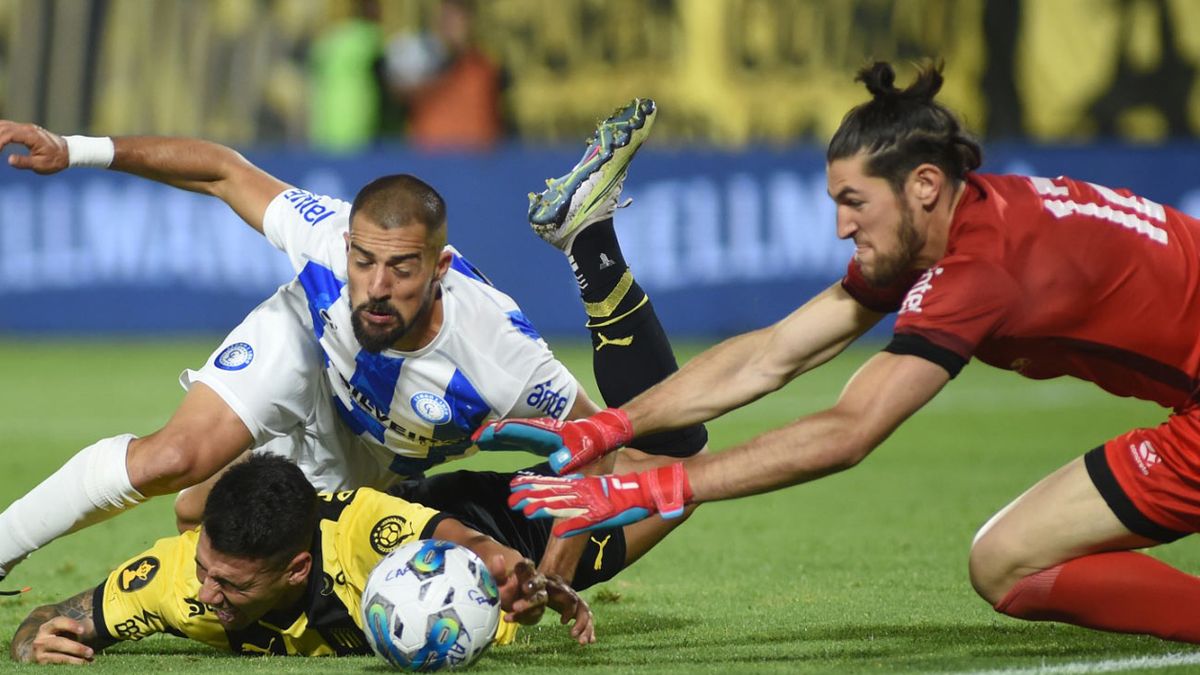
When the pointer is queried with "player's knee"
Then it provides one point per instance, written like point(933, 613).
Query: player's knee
point(994, 567)
point(189, 509)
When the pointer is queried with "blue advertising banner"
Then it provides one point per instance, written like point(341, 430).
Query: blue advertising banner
point(723, 241)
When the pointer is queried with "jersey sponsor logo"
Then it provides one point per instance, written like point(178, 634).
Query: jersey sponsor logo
point(138, 573)
point(916, 294)
point(361, 400)
point(551, 401)
point(139, 626)
point(234, 357)
point(308, 205)
point(389, 533)
point(1144, 455)
point(430, 407)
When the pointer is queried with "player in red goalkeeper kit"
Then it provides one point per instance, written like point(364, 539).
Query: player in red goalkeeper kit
point(1043, 276)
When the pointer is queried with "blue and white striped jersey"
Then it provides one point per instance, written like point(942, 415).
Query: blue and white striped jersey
point(486, 362)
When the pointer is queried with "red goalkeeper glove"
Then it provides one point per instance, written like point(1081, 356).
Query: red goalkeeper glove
point(569, 445)
point(599, 502)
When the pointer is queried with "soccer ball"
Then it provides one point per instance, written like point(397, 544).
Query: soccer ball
point(430, 605)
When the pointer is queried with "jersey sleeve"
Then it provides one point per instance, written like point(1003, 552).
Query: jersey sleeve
point(550, 390)
point(950, 309)
point(141, 597)
point(296, 216)
point(374, 524)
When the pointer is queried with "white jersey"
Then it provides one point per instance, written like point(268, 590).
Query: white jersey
point(486, 362)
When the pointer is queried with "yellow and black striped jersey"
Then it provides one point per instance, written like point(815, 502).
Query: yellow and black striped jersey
point(156, 591)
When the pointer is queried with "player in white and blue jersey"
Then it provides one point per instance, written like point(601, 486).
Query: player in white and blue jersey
point(374, 364)
point(416, 348)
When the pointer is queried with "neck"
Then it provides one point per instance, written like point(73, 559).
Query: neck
point(937, 234)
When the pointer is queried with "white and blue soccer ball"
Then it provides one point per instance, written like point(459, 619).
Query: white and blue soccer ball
point(430, 605)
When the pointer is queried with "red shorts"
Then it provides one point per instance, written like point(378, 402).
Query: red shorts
point(1151, 477)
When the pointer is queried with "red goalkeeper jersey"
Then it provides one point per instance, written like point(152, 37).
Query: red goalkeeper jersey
point(1054, 276)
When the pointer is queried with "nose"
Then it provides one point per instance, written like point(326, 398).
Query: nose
point(380, 286)
point(846, 225)
point(209, 593)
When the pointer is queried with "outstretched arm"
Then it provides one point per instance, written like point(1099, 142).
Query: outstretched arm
point(885, 392)
point(878, 398)
point(62, 633)
point(186, 163)
point(725, 377)
point(744, 368)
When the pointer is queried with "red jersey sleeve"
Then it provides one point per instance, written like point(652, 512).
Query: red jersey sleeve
point(951, 308)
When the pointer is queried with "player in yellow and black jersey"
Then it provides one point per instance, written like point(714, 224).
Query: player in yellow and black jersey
point(274, 568)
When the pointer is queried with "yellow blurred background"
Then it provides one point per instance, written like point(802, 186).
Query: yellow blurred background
point(731, 72)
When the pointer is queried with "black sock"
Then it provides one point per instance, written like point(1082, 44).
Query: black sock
point(630, 349)
point(597, 260)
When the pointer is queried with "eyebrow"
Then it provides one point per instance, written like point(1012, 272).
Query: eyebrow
point(394, 260)
point(220, 580)
point(842, 193)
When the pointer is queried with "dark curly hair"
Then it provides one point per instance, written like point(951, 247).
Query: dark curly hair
point(262, 509)
point(900, 129)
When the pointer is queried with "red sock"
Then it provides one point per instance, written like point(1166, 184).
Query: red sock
point(1124, 592)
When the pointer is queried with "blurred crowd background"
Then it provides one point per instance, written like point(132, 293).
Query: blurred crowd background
point(341, 74)
point(731, 226)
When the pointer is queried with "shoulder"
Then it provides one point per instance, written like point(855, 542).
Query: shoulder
point(488, 318)
point(300, 204)
point(154, 592)
point(373, 524)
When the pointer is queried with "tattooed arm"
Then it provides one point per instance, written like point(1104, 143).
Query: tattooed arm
point(62, 633)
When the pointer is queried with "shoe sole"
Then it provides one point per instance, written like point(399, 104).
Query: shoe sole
point(613, 145)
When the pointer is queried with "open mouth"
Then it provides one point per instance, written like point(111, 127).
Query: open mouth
point(379, 317)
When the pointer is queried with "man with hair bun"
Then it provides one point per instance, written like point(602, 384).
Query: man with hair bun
point(1042, 276)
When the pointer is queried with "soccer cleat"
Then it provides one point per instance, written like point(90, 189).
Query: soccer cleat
point(589, 192)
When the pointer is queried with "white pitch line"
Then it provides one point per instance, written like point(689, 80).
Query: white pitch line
point(1107, 666)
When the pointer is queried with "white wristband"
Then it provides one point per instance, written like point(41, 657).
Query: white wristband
point(94, 151)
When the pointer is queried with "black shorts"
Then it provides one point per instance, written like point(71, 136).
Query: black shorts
point(479, 499)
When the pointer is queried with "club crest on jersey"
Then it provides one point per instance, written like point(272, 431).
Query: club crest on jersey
point(390, 532)
point(138, 573)
point(430, 407)
point(235, 357)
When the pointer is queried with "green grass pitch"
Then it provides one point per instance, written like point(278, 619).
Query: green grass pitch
point(860, 572)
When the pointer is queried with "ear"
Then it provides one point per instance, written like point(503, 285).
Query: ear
point(346, 236)
point(297, 571)
point(443, 264)
point(926, 184)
